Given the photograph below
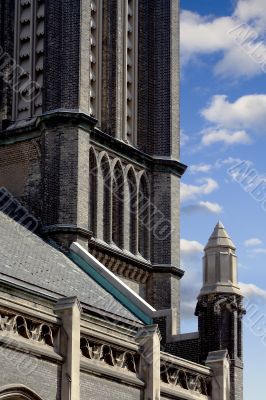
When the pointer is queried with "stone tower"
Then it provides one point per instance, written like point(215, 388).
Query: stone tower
point(90, 131)
point(220, 308)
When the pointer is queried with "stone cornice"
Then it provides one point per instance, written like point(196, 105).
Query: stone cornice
point(28, 129)
point(129, 266)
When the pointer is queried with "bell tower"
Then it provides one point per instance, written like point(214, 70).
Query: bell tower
point(220, 306)
point(90, 131)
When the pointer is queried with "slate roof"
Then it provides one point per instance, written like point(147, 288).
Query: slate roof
point(27, 258)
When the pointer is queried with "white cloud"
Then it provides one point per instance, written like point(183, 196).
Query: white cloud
point(238, 39)
point(203, 34)
point(220, 163)
point(229, 161)
point(252, 242)
point(251, 290)
point(248, 10)
point(225, 136)
point(190, 248)
point(203, 206)
point(258, 251)
point(246, 113)
point(191, 254)
point(190, 192)
point(199, 168)
point(188, 306)
point(237, 62)
point(213, 208)
point(233, 122)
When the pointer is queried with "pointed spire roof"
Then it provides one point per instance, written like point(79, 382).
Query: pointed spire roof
point(220, 238)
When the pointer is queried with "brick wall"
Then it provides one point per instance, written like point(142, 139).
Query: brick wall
point(96, 388)
point(188, 349)
point(155, 91)
point(66, 176)
point(62, 44)
point(20, 173)
point(7, 8)
point(222, 331)
point(40, 376)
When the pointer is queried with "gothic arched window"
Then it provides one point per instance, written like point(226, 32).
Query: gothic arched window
point(106, 194)
point(118, 205)
point(20, 392)
point(144, 218)
point(93, 177)
point(130, 212)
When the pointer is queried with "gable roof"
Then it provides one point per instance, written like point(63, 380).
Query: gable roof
point(27, 260)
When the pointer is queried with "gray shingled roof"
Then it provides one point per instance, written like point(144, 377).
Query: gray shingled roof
point(27, 258)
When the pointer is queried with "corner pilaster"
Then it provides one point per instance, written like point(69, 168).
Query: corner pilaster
point(69, 310)
point(149, 339)
point(219, 363)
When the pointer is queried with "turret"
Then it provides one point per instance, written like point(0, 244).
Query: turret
point(220, 264)
point(219, 308)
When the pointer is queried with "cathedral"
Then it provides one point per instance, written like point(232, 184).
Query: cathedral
point(89, 213)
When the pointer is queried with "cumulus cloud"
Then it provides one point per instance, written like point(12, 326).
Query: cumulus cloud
point(203, 206)
point(220, 163)
point(191, 259)
point(238, 38)
point(190, 247)
point(191, 192)
point(252, 242)
point(248, 10)
point(199, 168)
point(246, 113)
point(203, 35)
point(229, 161)
point(224, 136)
point(234, 122)
point(258, 251)
point(251, 290)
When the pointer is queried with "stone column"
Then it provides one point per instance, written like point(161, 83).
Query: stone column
point(148, 339)
point(219, 363)
point(69, 310)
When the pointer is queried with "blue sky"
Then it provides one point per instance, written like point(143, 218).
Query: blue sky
point(223, 124)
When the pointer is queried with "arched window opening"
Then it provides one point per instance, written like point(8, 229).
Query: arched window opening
point(144, 218)
point(106, 181)
point(132, 209)
point(118, 206)
point(93, 176)
point(20, 392)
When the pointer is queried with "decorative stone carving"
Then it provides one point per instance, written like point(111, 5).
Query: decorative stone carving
point(220, 303)
point(109, 355)
point(185, 379)
point(19, 325)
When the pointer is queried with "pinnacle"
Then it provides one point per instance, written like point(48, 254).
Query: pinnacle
point(219, 225)
point(220, 238)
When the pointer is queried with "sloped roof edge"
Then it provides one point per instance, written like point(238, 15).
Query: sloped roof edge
point(110, 282)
